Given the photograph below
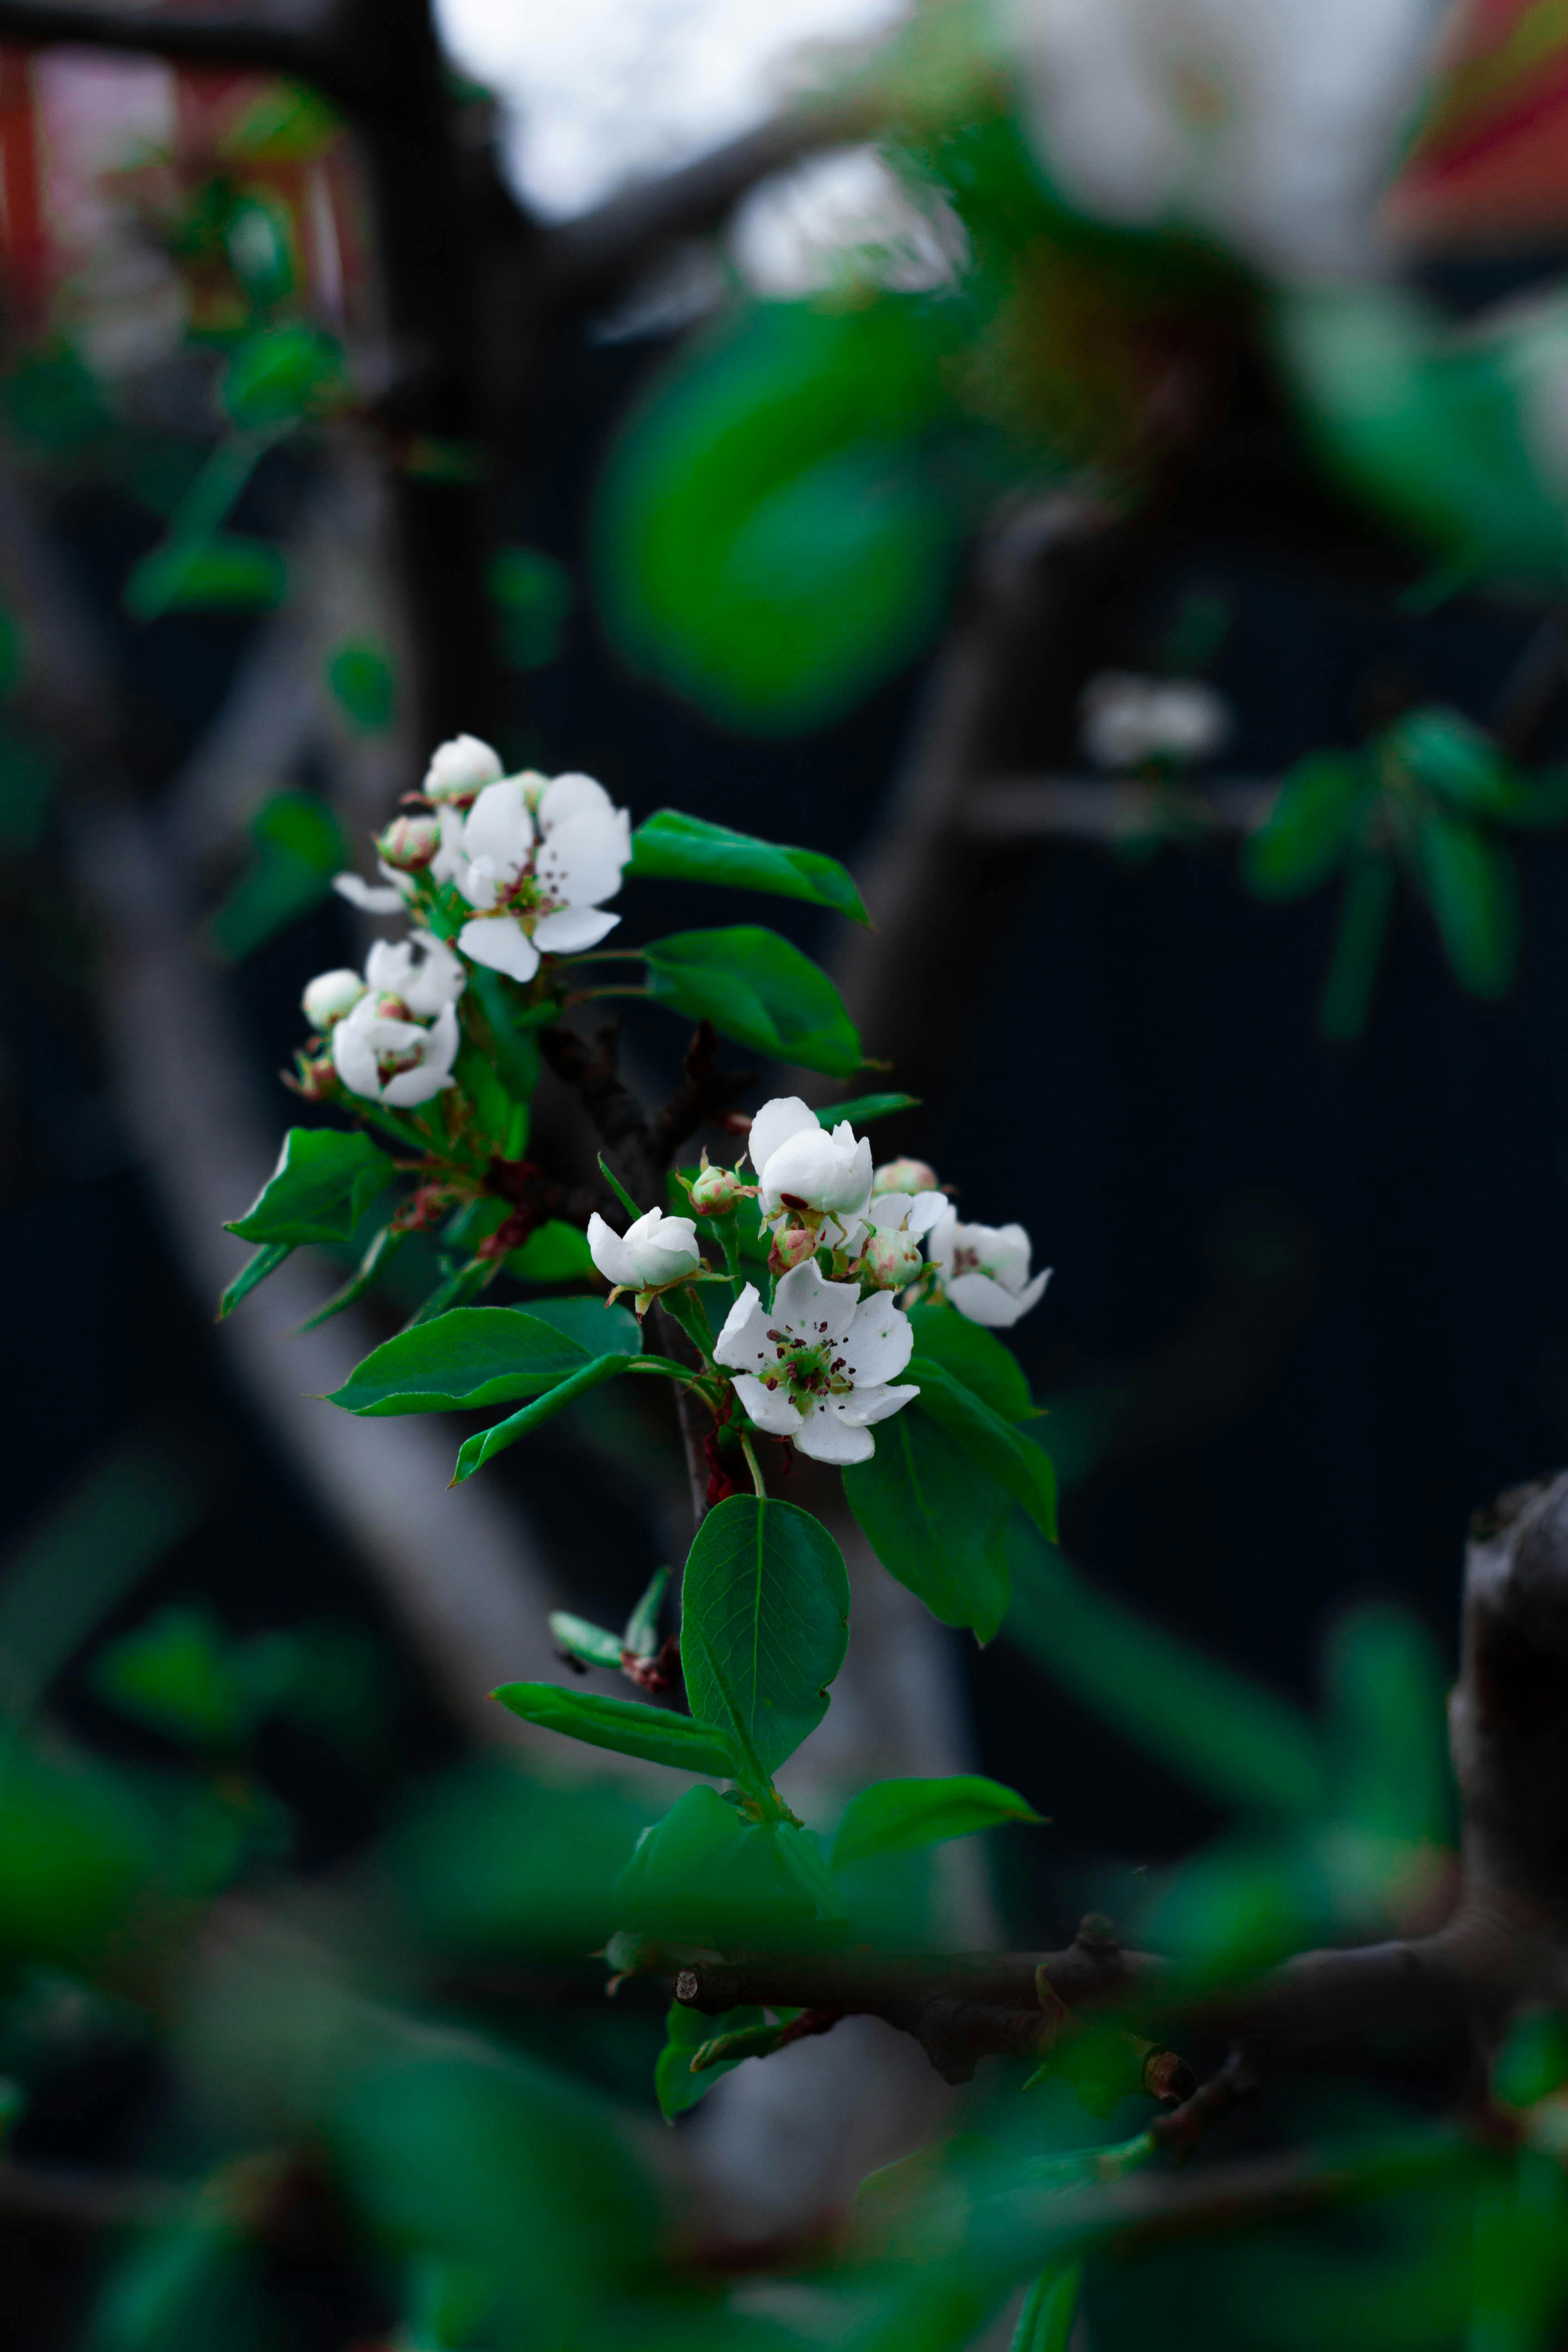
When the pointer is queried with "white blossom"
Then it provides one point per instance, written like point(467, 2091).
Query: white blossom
point(985, 1270)
point(389, 1060)
point(803, 1169)
point(461, 768)
point(653, 1250)
point(420, 970)
point(370, 901)
point(533, 858)
point(815, 1369)
point(328, 996)
point(1127, 719)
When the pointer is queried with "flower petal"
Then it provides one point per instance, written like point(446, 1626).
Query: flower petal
point(353, 1058)
point(880, 1342)
point(811, 1308)
point(776, 1121)
point(435, 1071)
point(574, 929)
point(581, 861)
point(769, 1408)
point(498, 827)
point(827, 1436)
point(366, 897)
point(929, 1209)
point(984, 1301)
point(864, 1406)
point(610, 1254)
point(743, 1344)
point(499, 942)
point(571, 796)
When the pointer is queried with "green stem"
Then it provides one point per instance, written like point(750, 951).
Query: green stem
point(604, 955)
point(730, 1242)
point(751, 1465)
point(595, 995)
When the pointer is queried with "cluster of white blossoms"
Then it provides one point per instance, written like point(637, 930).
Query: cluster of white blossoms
point(1128, 721)
point(532, 856)
point(820, 1366)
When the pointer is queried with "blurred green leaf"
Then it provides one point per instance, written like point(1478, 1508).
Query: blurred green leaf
point(28, 776)
point(1050, 2307)
point(1365, 906)
point(260, 243)
point(1311, 826)
point(323, 1184)
point(175, 1674)
point(978, 1357)
point(297, 847)
point(934, 1519)
point(758, 989)
point(1534, 2060)
point(533, 597)
point(893, 1816)
point(765, 1624)
point(364, 682)
point(279, 374)
point(1473, 889)
point(864, 1110)
point(1387, 1691)
point(1015, 1462)
point(655, 1733)
point(190, 2284)
point(474, 1356)
point(555, 1252)
point(228, 571)
point(670, 846)
point(706, 1875)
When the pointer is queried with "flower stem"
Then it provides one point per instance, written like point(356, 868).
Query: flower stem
point(751, 1465)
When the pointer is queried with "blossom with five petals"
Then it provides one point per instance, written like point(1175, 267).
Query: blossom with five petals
point(655, 1249)
point(804, 1170)
point(533, 858)
point(420, 970)
point(985, 1270)
point(395, 1061)
point(816, 1368)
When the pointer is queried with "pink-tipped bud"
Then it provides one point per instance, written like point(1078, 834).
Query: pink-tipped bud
point(890, 1260)
point(329, 997)
point(715, 1191)
point(904, 1176)
point(410, 843)
point(316, 1079)
point(791, 1248)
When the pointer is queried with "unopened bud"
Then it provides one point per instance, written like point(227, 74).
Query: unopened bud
point(791, 1248)
point(410, 843)
point(317, 1080)
point(461, 770)
point(328, 996)
point(904, 1176)
point(890, 1260)
point(715, 1191)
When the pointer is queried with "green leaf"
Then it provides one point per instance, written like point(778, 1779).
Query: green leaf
point(297, 847)
point(475, 1356)
point(863, 1110)
point(1045, 2324)
point(764, 1606)
point(228, 570)
point(656, 1734)
point(593, 1643)
point(173, 1674)
point(364, 682)
point(1387, 1687)
point(675, 2087)
point(1311, 826)
point(323, 1184)
point(1014, 1462)
point(515, 1049)
point(758, 989)
point(279, 375)
point(532, 595)
point(641, 1635)
point(974, 1356)
point(383, 1249)
point(267, 1261)
point(478, 1451)
point(1472, 887)
point(935, 1520)
point(896, 1816)
point(670, 846)
point(556, 1253)
point(706, 1875)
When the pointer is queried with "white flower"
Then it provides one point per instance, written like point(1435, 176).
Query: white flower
point(461, 768)
point(535, 858)
point(328, 996)
point(368, 899)
point(1128, 720)
point(400, 1063)
point(914, 1213)
point(816, 1369)
point(985, 1270)
point(801, 1168)
point(420, 970)
point(653, 1250)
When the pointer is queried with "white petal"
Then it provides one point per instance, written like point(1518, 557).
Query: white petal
point(944, 1239)
point(498, 827)
point(984, 1301)
point(353, 1058)
point(461, 766)
point(418, 1086)
point(1004, 1254)
point(581, 861)
point(479, 880)
point(448, 861)
point(662, 1248)
point(929, 1209)
point(864, 1406)
point(827, 1436)
point(572, 929)
point(812, 1308)
point(743, 1342)
point(880, 1342)
point(888, 1211)
point(776, 1121)
point(769, 1408)
point(499, 942)
point(366, 897)
point(609, 1254)
point(388, 966)
point(571, 796)
point(437, 981)
point(1033, 1292)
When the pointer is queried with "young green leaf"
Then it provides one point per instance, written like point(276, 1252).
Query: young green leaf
point(1045, 2324)
point(975, 1356)
point(1472, 887)
point(383, 1249)
point(896, 1816)
point(675, 2087)
point(1311, 826)
point(323, 1184)
point(656, 1734)
point(758, 989)
point(864, 1110)
point(478, 1451)
point(641, 1635)
point(593, 1643)
point(934, 1519)
point(256, 1269)
point(706, 1875)
point(670, 846)
point(475, 1356)
point(1013, 1461)
point(765, 1608)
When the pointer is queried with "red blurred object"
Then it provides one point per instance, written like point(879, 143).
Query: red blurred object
point(1488, 163)
point(24, 238)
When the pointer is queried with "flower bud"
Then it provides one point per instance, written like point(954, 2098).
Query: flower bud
point(904, 1176)
point(316, 1079)
point(328, 996)
point(461, 770)
point(410, 843)
point(716, 1190)
point(792, 1247)
point(890, 1261)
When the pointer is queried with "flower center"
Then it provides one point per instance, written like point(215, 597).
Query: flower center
point(967, 1261)
point(807, 1368)
point(528, 901)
